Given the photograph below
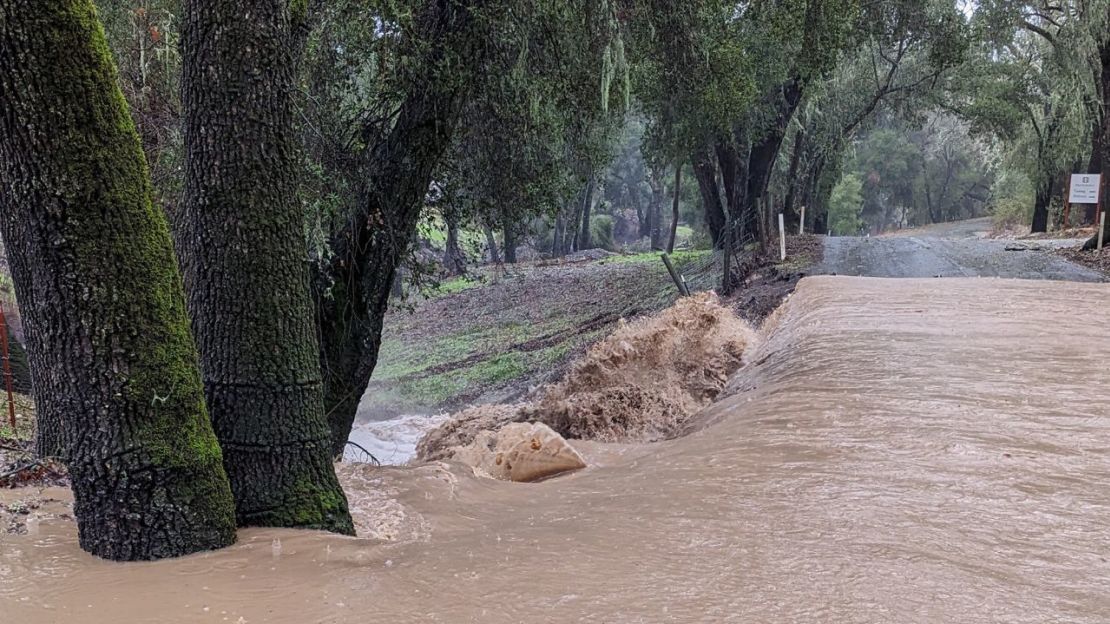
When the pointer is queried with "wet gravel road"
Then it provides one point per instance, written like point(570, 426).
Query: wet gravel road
point(951, 250)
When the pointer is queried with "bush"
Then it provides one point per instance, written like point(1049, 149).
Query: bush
point(845, 205)
point(1013, 200)
point(601, 232)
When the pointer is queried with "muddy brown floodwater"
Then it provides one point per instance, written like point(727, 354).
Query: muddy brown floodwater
point(899, 451)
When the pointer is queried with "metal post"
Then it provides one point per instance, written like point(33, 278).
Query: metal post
point(1101, 229)
point(782, 236)
point(678, 281)
point(726, 279)
point(802, 222)
point(7, 365)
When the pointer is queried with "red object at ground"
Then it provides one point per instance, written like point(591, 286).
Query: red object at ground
point(7, 365)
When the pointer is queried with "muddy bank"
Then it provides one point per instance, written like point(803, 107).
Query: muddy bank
point(492, 337)
point(1095, 260)
point(913, 451)
point(639, 384)
point(768, 284)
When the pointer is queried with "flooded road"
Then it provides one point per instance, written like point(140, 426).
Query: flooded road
point(897, 451)
point(958, 249)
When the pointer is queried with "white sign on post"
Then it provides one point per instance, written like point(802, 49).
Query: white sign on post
point(1085, 188)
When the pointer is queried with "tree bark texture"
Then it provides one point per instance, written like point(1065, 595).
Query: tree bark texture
point(116, 375)
point(243, 251)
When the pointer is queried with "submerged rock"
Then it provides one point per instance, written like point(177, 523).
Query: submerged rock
point(521, 452)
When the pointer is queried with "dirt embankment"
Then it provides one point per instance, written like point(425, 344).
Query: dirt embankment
point(494, 337)
point(769, 283)
point(640, 384)
point(1093, 259)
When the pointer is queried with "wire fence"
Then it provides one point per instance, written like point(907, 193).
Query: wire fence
point(720, 269)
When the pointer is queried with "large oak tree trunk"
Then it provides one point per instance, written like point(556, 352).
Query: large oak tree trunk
point(242, 250)
point(115, 368)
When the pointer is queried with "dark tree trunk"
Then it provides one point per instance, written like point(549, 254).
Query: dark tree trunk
point(705, 170)
point(558, 248)
point(734, 176)
point(643, 220)
point(117, 382)
point(509, 238)
point(1100, 144)
point(243, 256)
point(1040, 208)
point(789, 210)
point(491, 243)
point(674, 208)
point(655, 209)
point(747, 163)
point(584, 234)
point(352, 290)
point(574, 222)
point(454, 261)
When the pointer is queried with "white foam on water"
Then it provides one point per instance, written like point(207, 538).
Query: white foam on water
point(392, 442)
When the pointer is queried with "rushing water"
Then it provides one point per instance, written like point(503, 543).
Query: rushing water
point(900, 451)
point(392, 442)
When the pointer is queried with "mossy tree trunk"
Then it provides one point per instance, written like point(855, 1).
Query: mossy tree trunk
point(115, 368)
point(242, 249)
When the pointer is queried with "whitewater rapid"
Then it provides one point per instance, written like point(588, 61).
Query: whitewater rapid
point(392, 442)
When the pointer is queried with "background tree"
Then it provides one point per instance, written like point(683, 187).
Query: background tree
point(399, 92)
point(116, 378)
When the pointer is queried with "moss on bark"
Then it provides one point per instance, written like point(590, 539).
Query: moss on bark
point(241, 243)
point(116, 373)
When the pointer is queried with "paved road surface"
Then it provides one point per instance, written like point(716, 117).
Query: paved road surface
point(951, 250)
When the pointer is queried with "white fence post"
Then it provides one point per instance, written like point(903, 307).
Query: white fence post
point(1101, 229)
point(802, 222)
point(782, 236)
